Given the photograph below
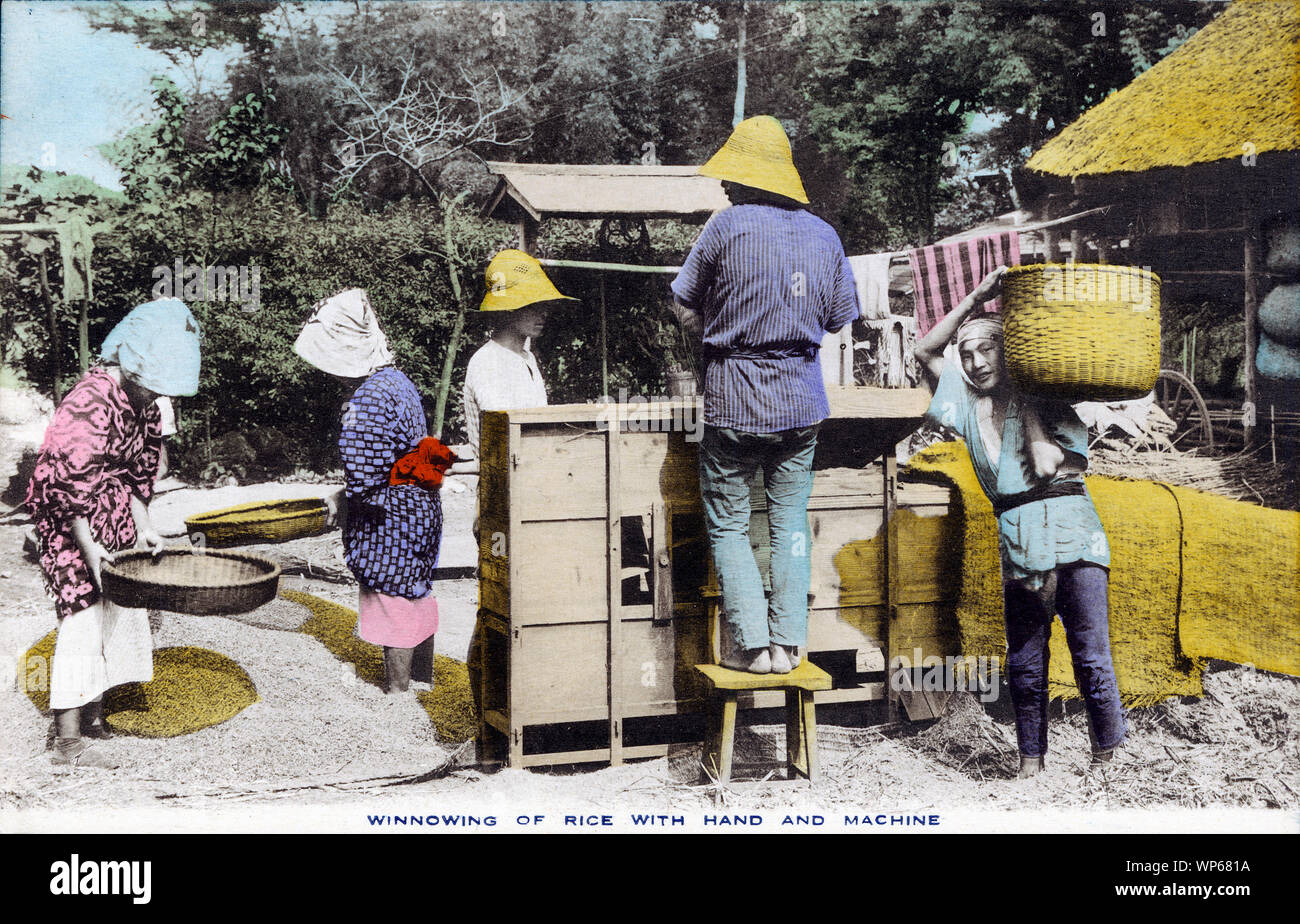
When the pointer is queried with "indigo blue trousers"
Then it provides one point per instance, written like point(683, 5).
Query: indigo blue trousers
point(729, 460)
point(1082, 601)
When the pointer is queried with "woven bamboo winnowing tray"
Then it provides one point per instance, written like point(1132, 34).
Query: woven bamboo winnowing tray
point(258, 522)
point(193, 581)
point(1082, 332)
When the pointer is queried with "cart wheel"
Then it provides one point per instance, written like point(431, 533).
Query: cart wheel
point(1178, 398)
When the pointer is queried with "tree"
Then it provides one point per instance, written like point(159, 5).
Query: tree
point(421, 126)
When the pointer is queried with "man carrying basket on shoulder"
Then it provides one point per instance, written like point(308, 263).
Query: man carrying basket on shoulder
point(1030, 455)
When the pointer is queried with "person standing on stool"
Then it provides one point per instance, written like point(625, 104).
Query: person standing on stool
point(763, 285)
point(1030, 455)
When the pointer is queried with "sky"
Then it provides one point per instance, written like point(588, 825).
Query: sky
point(64, 88)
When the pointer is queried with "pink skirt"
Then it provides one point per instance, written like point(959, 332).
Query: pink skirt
point(396, 622)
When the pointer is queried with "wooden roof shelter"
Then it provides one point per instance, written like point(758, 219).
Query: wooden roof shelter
point(527, 194)
point(1190, 159)
point(615, 194)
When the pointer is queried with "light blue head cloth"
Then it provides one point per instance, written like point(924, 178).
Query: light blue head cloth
point(158, 343)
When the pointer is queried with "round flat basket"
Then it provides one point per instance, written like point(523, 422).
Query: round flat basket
point(197, 582)
point(260, 521)
point(1082, 332)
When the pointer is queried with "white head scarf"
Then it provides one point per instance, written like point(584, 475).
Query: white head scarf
point(342, 336)
point(983, 327)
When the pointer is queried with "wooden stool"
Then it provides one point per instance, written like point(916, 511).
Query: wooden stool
point(800, 716)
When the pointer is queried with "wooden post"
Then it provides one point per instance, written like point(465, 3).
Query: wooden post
point(56, 369)
point(889, 466)
point(528, 235)
point(614, 596)
point(738, 114)
point(514, 642)
point(83, 335)
point(1076, 245)
point(1051, 237)
point(604, 342)
point(1251, 310)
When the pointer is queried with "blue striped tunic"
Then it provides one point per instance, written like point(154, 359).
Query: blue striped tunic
point(769, 282)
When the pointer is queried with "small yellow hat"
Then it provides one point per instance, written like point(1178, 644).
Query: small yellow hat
point(758, 154)
point(515, 280)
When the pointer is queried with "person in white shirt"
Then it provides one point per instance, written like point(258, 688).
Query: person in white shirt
point(503, 374)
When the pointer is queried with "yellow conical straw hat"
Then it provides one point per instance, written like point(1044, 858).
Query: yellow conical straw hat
point(758, 154)
point(514, 280)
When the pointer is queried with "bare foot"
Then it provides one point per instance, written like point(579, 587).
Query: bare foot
point(1029, 766)
point(753, 660)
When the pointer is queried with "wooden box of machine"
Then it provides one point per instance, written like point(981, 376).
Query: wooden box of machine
point(595, 576)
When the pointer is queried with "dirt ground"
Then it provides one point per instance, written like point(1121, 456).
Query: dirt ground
point(321, 740)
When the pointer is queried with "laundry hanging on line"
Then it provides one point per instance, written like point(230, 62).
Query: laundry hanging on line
point(944, 274)
point(871, 276)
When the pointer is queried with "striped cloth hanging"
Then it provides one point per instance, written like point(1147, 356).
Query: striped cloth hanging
point(944, 274)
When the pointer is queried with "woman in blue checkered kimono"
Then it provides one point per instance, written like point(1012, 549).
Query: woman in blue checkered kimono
point(391, 531)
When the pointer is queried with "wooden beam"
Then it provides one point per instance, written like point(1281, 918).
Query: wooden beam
point(612, 267)
point(29, 228)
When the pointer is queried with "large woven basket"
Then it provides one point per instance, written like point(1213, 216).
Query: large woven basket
point(260, 521)
point(193, 581)
point(1083, 332)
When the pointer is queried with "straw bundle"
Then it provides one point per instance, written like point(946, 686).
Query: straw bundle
point(1193, 576)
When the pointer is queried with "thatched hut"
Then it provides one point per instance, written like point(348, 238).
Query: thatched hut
point(1197, 162)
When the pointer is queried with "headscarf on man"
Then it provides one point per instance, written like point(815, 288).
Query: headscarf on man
point(342, 337)
point(1040, 419)
point(158, 344)
point(980, 327)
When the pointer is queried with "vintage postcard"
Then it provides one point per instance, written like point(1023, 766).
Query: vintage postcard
point(511, 417)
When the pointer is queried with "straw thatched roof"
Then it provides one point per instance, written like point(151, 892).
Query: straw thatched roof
point(600, 190)
point(1234, 84)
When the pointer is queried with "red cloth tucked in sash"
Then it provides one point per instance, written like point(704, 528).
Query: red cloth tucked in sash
point(424, 465)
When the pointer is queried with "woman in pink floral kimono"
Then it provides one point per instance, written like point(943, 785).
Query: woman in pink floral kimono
point(88, 498)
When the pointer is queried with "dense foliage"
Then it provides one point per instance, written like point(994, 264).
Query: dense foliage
point(894, 110)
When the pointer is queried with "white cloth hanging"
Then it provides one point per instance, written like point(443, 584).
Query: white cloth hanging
point(871, 273)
